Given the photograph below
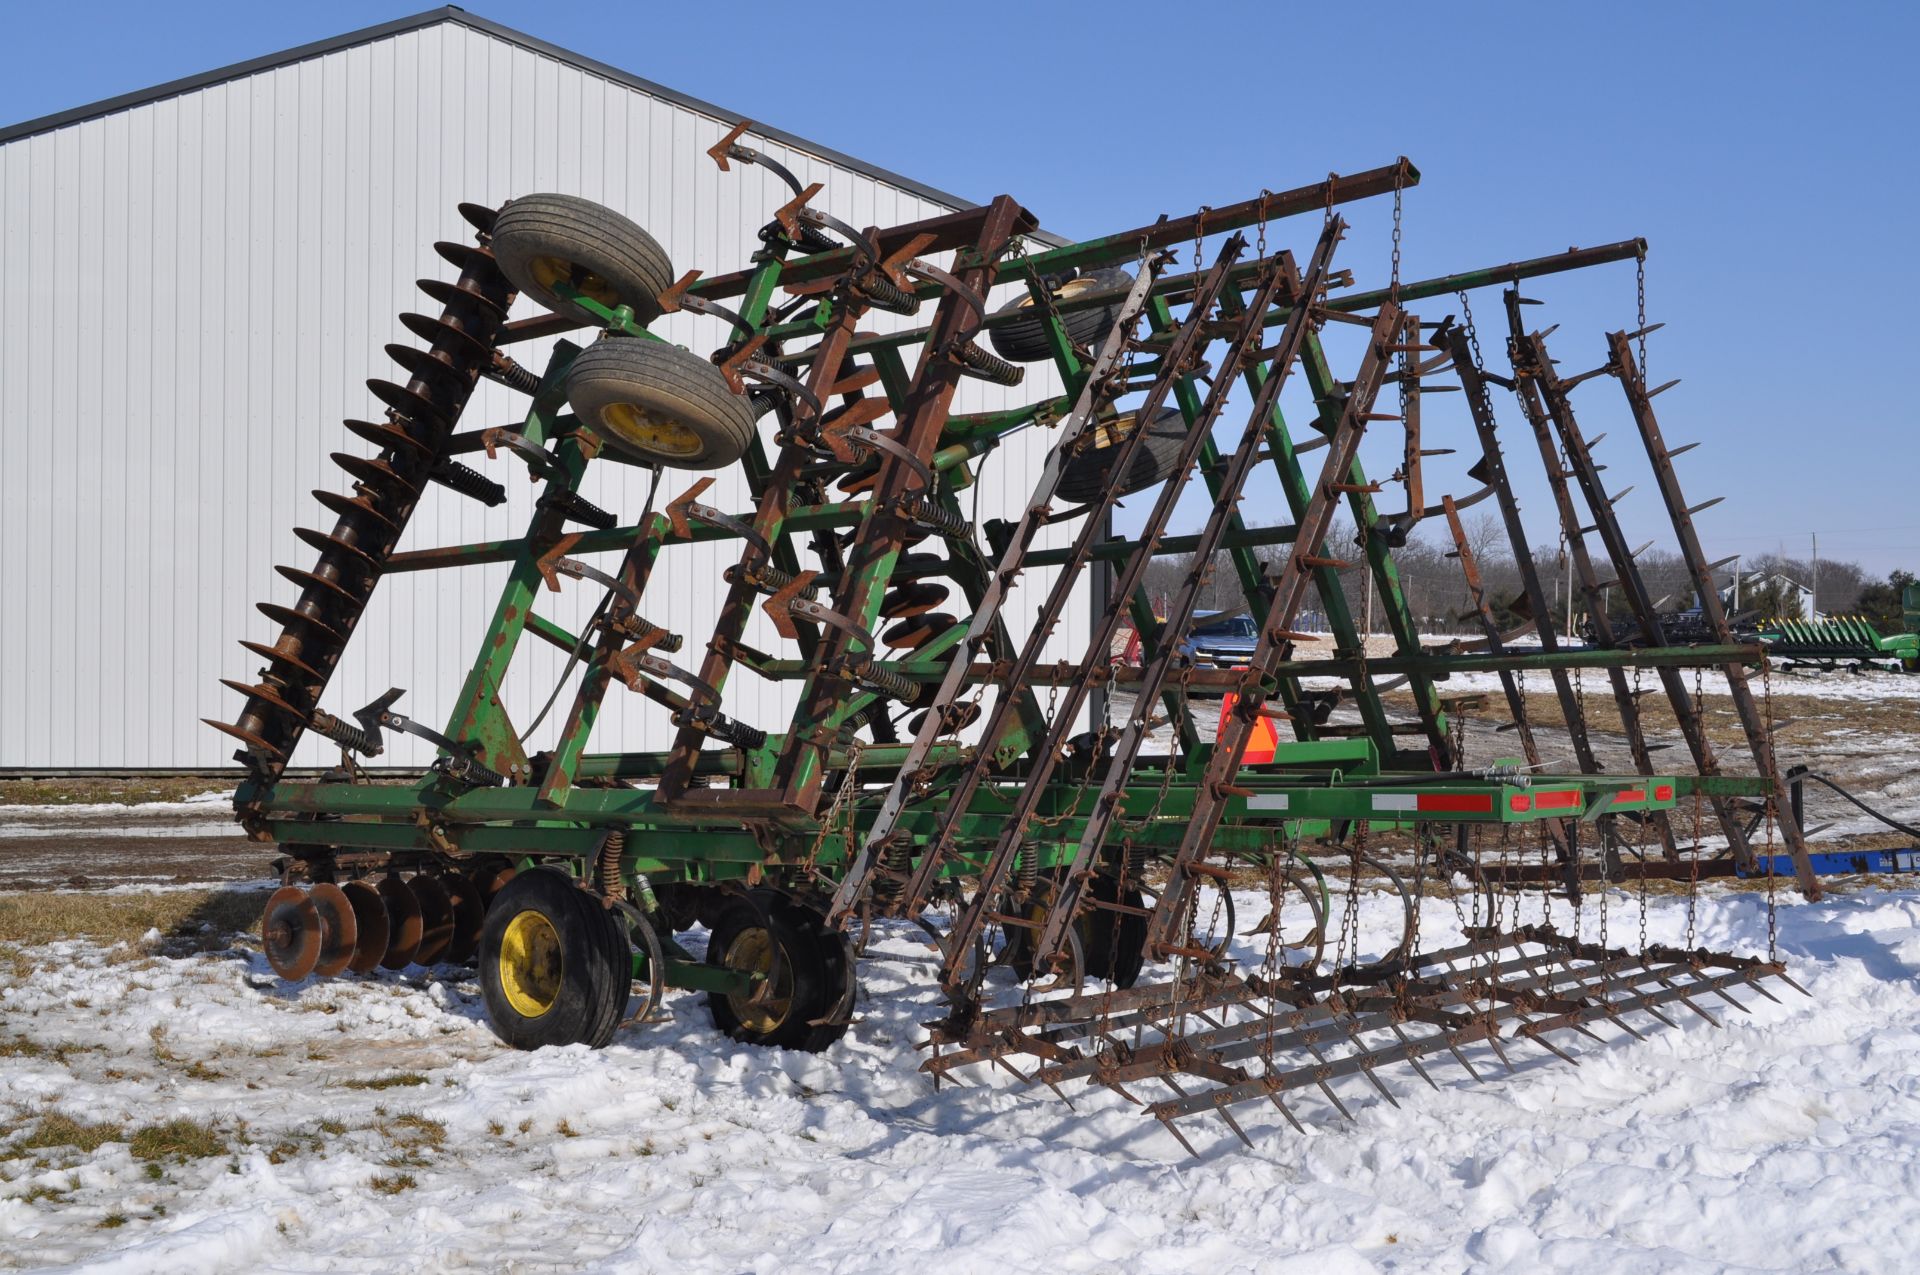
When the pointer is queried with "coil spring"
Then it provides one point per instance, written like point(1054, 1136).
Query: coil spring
point(773, 579)
point(469, 481)
point(764, 400)
point(922, 509)
point(344, 733)
point(887, 682)
point(977, 362)
point(609, 865)
point(512, 375)
point(1027, 874)
point(738, 733)
point(579, 509)
point(883, 294)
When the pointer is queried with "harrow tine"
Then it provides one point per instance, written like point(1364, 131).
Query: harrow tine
point(1415, 1062)
point(1178, 1136)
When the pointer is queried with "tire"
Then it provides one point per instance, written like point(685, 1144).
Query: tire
point(1113, 945)
point(539, 239)
point(808, 966)
point(546, 964)
point(1025, 339)
point(1085, 477)
point(654, 403)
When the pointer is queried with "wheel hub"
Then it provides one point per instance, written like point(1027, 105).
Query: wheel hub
point(531, 964)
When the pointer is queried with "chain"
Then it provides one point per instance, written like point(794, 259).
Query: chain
point(1393, 287)
point(1640, 297)
point(1350, 908)
point(1693, 867)
point(1773, 799)
point(844, 798)
point(1331, 179)
point(1646, 818)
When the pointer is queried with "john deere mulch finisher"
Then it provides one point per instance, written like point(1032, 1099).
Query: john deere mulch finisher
point(1067, 827)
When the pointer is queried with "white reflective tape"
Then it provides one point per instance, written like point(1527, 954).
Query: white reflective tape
point(1397, 801)
point(1267, 801)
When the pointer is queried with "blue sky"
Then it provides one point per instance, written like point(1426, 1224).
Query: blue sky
point(1764, 150)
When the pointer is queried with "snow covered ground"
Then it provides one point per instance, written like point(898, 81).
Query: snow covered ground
point(373, 1125)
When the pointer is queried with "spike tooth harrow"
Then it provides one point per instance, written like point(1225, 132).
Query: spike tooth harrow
point(1059, 847)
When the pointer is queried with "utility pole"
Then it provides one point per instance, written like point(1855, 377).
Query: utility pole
point(1813, 603)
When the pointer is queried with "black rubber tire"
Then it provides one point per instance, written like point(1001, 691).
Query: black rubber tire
point(1086, 476)
point(1113, 946)
point(612, 259)
point(818, 971)
point(1025, 339)
point(1115, 943)
point(587, 979)
point(619, 946)
point(621, 383)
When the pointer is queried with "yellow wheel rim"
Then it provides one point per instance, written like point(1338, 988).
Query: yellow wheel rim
point(531, 964)
point(644, 430)
point(764, 1010)
point(548, 271)
point(1111, 433)
point(1071, 288)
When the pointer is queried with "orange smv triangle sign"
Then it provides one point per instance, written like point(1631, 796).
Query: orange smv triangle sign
point(1261, 744)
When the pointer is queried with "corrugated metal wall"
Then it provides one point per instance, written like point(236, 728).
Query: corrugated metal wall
point(192, 294)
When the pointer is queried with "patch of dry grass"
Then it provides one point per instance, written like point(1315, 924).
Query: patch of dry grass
point(43, 917)
point(392, 1183)
point(56, 1130)
point(105, 790)
point(402, 1081)
point(180, 1139)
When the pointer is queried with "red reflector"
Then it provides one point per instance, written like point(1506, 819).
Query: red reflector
point(1556, 801)
point(1457, 802)
point(1631, 794)
point(1520, 803)
point(1663, 793)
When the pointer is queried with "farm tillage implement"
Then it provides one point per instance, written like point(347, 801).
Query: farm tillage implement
point(1060, 826)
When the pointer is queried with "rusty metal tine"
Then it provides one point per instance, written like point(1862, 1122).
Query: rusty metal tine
point(1721, 992)
point(1178, 1136)
point(1499, 1053)
point(1298, 1127)
point(1325, 1088)
point(1415, 1062)
point(1459, 1057)
point(1540, 1038)
point(1783, 977)
point(1234, 1125)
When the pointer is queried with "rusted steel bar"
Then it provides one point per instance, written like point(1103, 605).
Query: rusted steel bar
point(1536, 366)
point(1529, 394)
point(1276, 636)
point(1758, 732)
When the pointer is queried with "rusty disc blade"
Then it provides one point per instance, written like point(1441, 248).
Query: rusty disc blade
point(469, 914)
point(369, 923)
point(446, 336)
point(339, 928)
point(463, 300)
point(912, 634)
point(960, 716)
point(403, 923)
point(436, 918)
point(290, 933)
point(489, 880)
point(912, 599)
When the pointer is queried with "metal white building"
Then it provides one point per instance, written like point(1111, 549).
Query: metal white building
point(195, 283)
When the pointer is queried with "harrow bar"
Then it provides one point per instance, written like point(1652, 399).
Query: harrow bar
point(1261, 1038)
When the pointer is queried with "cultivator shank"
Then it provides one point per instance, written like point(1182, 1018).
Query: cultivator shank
point(1051, 816)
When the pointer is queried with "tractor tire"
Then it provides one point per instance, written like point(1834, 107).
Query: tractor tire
point(656, 404)
point(1025, 339)
point(546, 964)
point(543, 239)
point(1086, 476)
point(809, 969)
